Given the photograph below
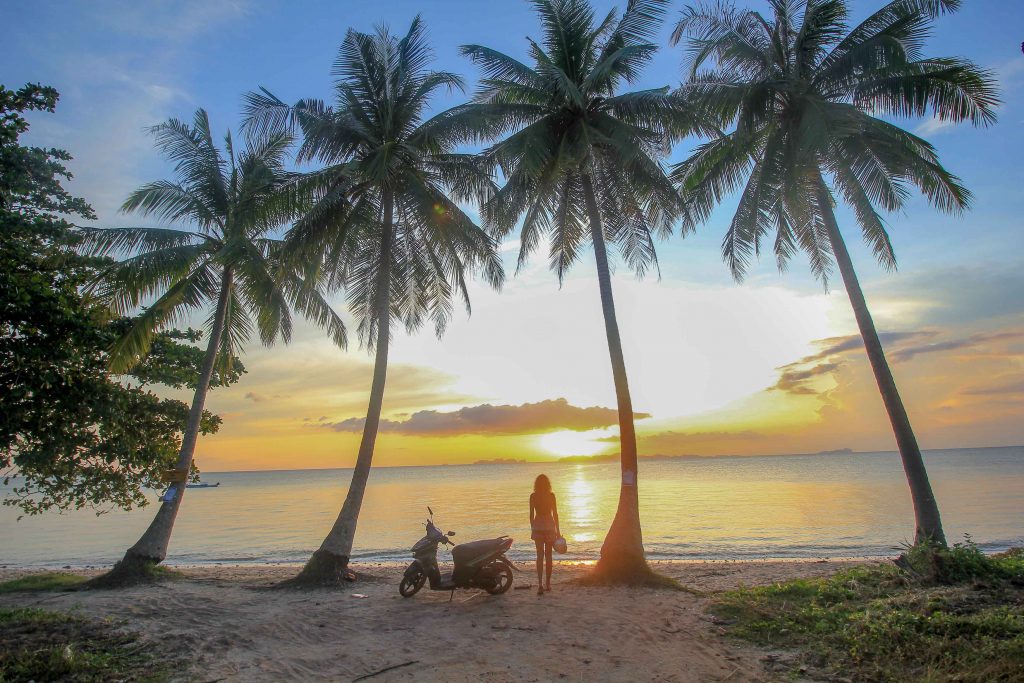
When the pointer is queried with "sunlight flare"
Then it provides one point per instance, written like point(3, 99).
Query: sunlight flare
point(566, 443)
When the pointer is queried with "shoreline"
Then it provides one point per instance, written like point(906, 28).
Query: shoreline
point(356, 563)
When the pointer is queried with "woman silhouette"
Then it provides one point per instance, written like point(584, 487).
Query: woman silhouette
point(544, 523)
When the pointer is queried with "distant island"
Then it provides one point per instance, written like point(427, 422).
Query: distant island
point(614, 457)
point(609, 457)
point(501, 461)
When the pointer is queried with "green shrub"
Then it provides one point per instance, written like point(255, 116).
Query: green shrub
point(884, 623)
point(962, 562)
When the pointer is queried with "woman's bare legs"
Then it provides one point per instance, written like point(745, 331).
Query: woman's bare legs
point(547, 557)
point(540, 567)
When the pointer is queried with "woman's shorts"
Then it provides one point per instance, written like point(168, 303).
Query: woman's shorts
point(545, 536)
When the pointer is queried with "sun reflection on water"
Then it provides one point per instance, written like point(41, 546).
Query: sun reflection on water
point(581, 507)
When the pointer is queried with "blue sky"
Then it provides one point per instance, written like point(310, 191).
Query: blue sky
point(125, 65)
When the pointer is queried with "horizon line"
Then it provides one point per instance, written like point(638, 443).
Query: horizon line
point(601, 459)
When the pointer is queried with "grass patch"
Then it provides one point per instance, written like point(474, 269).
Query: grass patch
point(162, 573)
point(133, 574)
point(888, 623)
point(45, 581)
point(37, 645)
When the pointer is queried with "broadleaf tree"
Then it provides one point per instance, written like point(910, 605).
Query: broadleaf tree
point(72, 434)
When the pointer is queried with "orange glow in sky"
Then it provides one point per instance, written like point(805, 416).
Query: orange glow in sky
point(766, 370)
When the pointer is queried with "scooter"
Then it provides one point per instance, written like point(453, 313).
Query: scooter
point(479, 564)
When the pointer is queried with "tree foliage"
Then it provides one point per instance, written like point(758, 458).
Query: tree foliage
point(71, 434)
point(234, 199)
point(376, 143)
point(564, 117)
point(805, 95)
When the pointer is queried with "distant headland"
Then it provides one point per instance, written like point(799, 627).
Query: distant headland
point(614, 457)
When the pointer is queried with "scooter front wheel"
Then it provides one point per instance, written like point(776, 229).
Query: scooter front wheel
point(411, 584)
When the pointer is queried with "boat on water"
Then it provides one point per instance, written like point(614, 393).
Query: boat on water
point(202, 486)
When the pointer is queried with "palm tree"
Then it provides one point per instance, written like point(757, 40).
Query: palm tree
point(388, 228)
point(582, 164)
point(228, 264)
point(805, 93)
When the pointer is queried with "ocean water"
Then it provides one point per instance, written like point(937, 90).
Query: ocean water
point(800, 506)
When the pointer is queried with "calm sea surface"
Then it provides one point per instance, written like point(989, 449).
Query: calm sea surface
point(713, 508)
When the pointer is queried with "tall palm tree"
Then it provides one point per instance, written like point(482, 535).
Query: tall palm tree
point(388, 228)
point(582, 162)
point(228, 265)
point(805, 93)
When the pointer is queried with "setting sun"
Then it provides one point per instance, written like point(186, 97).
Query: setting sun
point(572, 443)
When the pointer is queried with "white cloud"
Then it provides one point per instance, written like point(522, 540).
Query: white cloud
point(112, 91)
point(170, 20)
point(511, 246)
point(933, 126)
point(1010, 73)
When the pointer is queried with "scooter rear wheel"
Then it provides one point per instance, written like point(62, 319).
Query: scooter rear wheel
point(411, 585)
point(502, 578)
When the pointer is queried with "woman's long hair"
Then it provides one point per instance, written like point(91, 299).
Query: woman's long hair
point(542, 484)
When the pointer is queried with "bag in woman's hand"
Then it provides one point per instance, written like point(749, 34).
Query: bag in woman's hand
point(560, 546)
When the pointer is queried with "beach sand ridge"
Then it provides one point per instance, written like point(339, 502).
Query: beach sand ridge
point(231, 627)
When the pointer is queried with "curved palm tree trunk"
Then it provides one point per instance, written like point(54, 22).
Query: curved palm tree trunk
point(151, 549)
point(328, 562)
point(622, 554)
point(926, 510)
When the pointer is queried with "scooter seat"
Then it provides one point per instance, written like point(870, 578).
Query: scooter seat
point(475, 551)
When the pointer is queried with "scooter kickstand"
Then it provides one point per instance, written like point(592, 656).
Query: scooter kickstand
point(452, 595)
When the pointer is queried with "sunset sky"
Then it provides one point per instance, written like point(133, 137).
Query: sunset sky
point(770, 366)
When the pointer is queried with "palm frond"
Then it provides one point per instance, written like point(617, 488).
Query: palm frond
point(804, 95)
point(186, 294)
point(951, 89)
point(170, 201)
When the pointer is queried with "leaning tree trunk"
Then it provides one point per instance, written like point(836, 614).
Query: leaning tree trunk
point(327, 564)
point(926, 510)
point(151, 549)
point(622, 554)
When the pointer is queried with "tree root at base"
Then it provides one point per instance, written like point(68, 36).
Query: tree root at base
point(323, 570)
point(132, 570)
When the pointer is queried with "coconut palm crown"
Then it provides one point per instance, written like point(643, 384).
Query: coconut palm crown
point(235, 201)
point(229, 264)
point(582, 166)
point(808, 98)
point(563, 125)
point(388, 226)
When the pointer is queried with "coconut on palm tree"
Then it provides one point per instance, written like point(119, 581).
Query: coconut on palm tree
point(582, 163)
point(806, 95)
point(229, 265)
point(388, 227)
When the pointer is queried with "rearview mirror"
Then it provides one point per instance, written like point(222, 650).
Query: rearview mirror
point(451, 533)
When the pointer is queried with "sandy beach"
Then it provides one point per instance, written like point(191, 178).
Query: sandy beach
point(230, 627)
